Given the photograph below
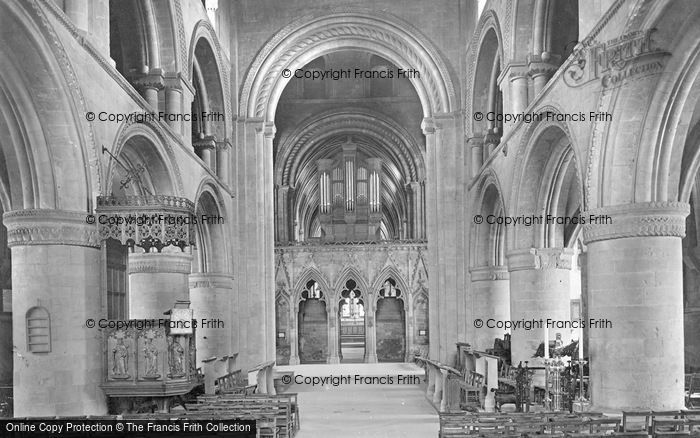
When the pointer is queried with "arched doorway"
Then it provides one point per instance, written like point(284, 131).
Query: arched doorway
point(391, 323)
point(351, 317)
point(313, 325)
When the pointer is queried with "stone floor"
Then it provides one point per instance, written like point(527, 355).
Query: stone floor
point(388, 409)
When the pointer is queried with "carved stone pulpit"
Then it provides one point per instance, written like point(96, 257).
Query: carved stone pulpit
point(151, 358)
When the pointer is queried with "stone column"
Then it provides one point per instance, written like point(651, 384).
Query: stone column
point(491, 301)
point(477, 150)
point(518, 90)
point(282, 213)
point(540, 73)
point(209, 299)
point(173, 107)
point(56, 266)
point(253, 255)
point(179, 94)
point(635, 305)
point(206, 146)
point(156, 281)
point(539, 290)
point(222, 160)
point(418, 204)
point(149, 87)
point(333, 332)
point(444, 219)
point(370, 333)
point(294, 334)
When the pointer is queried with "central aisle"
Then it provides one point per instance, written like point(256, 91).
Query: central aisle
point(350, 409)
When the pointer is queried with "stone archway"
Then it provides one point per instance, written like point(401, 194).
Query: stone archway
point(404, 46)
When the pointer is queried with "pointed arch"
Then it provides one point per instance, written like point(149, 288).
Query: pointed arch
point(391, 272)
point(351, 273)
point(308, 275)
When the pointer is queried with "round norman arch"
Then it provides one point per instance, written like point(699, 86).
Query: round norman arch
point(204, 33)
point(488, 240)
point(546, 149)
point(148, 142)
point(487, 38)
point(212, 251)
point(48, 145)
point(312, 36)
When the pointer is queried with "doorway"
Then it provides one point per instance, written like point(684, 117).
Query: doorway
point(351, 314)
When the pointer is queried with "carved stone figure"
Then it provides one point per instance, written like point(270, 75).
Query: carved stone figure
point(151, 353)
point(120, 358)
point(176, 359)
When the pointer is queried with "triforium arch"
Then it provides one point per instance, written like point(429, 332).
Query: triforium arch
point(547, 196)
point(209, 75)
point(142, 146)
point(487, 264)
point(143, 37)
point(213, 242)
point(548, 174)
point(488, 239)
point(485, 63)
point(310, 37)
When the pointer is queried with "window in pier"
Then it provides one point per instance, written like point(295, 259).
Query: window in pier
point(38, 330)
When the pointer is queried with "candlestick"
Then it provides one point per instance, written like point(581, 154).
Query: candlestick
point(580, 343)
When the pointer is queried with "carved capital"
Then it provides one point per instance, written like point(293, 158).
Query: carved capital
point(269, 130)
point(225, 144)
point(536, 68)
point(152, 80)
point(636, 220)
point(211, 281)
point(489, 273)
point(160, 263)
point(515, 71)
point(540, 258)
point(50, 227)
point(207, 142)
point(175, 81)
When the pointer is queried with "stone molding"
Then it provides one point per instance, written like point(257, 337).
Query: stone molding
point(489, 273)
point(310, 31)
point(644, 219)
point(49, 227)
point(366, 122)
point(160, 263)
point(540, 258)
point(210, 280)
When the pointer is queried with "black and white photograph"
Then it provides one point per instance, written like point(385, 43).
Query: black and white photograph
point(350, 218)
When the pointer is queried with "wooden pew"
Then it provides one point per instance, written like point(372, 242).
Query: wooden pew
point(262, 375)
point(284, 405)
point(556, 424)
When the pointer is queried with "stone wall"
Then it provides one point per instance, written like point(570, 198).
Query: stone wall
point(393, 329)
